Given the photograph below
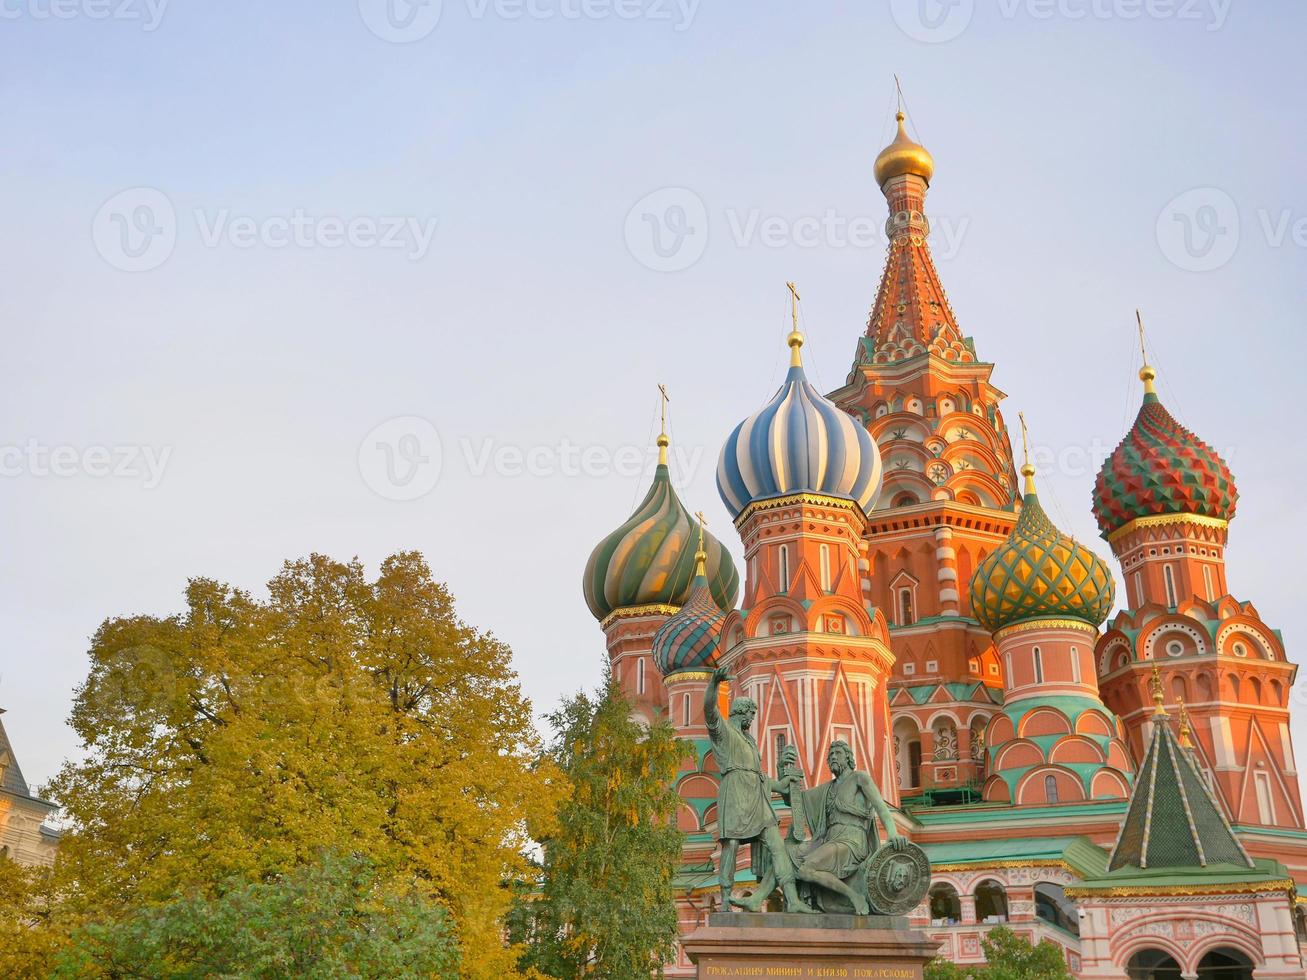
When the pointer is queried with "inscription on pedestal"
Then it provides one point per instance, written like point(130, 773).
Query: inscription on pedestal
point(825, 971)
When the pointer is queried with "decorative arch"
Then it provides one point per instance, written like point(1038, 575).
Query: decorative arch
point(1033, 786)
point(1044, 721)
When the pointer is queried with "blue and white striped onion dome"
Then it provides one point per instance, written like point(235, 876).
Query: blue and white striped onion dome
point(799, 442)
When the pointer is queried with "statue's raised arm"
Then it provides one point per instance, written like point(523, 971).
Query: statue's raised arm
point(712, 714)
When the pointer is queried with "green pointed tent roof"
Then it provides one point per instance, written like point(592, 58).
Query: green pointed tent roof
point(1174, 821)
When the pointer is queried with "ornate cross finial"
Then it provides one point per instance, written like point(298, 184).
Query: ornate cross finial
point(1027, 470)
point(898, 90)
point(1146, 373)
point(1159, 698)
point(794, 303)
point(663, 399)
point(795, 339)
point(1185, 730)
point(701, 555)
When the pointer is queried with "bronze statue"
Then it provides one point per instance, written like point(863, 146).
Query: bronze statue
point(744, 810)
point(833, 844)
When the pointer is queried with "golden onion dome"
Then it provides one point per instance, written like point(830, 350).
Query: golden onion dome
point(904, 156)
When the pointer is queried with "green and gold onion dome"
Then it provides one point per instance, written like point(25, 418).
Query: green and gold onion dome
point(649, 560)
point(688, 642)
point(1040, 573)
point(904, 156)
point(1161, 469)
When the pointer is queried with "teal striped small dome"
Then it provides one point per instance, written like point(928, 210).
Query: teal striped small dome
point(649, 560)
point(689, 640)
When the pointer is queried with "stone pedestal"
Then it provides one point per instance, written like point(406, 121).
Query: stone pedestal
point(776, 945)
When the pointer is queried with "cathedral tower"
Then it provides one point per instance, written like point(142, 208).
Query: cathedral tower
point(1164, 500)
point(799, 476)
point(641, 574)
point(949, 492)
point(1043, 596)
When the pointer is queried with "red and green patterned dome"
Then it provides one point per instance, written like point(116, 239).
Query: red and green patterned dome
point(1161, 468)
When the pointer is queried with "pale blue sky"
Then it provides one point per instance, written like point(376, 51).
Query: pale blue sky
point(1061, 142)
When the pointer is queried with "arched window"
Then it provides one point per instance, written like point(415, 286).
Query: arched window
point(824, 552)
point(1179, 689)
point(1225, 964)
point(685, 710)
point(991, 902)
point(1050, 788)
point(945, 905)
point(784, 566)
point(904, 500)
point(1052, 905)
point(1152, 964)
point(1207, 582)
point(639, 676)
point(1170, 585)
point(1139, 589)
point(1234, 686)
point(1075, 665)
point(1255, 690)
point(906, 615)
point(1039, 666)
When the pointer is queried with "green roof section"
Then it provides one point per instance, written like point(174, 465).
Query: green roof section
point(1080, 854)
point(1174, 821)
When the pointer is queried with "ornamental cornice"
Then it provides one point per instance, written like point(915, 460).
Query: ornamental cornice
point(791, 499)
point(1274, 887)
point(1166, 520)
point(1079, 625)
point(637, 612)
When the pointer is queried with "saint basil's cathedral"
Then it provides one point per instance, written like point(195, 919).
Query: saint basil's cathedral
point(1125, 789)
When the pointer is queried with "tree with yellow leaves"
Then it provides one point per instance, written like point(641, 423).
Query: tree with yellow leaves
point(243, 738)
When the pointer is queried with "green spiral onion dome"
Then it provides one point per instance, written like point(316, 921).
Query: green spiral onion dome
point(649, 560)
point(1040, 573)
point(1161, 468)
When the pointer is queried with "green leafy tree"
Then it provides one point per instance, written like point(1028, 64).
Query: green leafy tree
point(326, 920)
point(1007, 957)
point(245, 736)
point(605, 906)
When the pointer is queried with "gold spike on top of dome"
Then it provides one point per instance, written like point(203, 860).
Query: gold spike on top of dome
point(795, 339)
point(1146, 373)
point(700, 556)
point(663, 441)
point(1027, 468)
point(904, 155)
point(1159, 699)
point(1186, 742)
